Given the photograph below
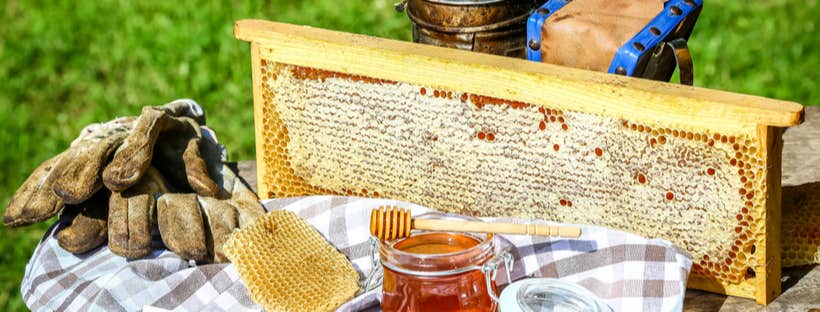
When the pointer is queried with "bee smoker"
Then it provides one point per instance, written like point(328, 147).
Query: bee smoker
point(488, 26)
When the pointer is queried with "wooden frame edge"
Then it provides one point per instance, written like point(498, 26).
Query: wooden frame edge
point(258, 103)
point(769, 284)
point(531, 82)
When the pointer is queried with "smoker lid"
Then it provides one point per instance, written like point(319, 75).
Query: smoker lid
point(469, 2)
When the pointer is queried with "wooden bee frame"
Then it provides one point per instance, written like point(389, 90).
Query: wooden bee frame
point(486, 135)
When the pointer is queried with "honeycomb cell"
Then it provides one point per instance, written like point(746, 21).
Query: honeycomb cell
point(270, 258)
point(331, 133)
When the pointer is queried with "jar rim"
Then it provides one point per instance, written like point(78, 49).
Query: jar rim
point(457, 260)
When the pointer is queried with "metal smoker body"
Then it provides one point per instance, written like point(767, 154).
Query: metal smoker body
point(489, 26)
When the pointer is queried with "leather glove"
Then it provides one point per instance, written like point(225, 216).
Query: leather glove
point(195, 226)
point(70, 177)
point(192, 225)
point(74, 176)
point(89, 228)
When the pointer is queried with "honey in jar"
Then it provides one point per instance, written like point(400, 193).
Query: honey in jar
point(437, 271)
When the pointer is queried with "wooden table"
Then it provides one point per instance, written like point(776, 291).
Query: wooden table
point(801, 166)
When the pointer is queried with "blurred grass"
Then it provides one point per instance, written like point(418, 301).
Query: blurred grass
point(64, 64)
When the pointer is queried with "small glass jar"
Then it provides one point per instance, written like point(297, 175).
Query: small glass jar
point(441, 271)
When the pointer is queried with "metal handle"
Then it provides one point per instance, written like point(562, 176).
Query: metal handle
point(684, 60)
point(490, 269)
point(375, 276)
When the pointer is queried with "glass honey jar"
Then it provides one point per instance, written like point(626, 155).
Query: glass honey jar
point(441, 271)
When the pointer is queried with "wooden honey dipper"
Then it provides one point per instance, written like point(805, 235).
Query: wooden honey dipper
point(391, 222)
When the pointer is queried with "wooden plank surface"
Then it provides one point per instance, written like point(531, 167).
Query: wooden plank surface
point(801, 285)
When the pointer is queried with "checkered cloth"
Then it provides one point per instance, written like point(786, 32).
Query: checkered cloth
point(628, 272)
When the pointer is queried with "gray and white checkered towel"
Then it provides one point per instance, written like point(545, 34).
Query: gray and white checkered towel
point(628, 272)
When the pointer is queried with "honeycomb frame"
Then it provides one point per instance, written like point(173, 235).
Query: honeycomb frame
point(646, 157)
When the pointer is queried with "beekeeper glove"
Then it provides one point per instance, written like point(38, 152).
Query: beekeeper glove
point(73, 176)
point(195, 226)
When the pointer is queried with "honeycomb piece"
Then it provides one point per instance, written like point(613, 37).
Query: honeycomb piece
point(288, 266)
point(801, 225)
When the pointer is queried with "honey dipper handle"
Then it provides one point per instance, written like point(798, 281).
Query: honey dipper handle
point(499, 228)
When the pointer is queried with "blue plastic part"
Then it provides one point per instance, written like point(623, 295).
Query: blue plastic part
point(629, 54)
point(535, 22)
point(673, 13)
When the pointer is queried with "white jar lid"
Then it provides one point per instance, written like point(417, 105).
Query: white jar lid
point(548, 294)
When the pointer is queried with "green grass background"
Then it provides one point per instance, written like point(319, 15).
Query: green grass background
point(64, 64)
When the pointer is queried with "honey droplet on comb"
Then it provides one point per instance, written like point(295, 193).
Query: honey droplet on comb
point(423, 91)
point(435, 93)
point(464, 97)
point(556, 147)
point(481, 135)
point(670, 196)
point(662, 139)
point(542, 125)
point(541, 110)
point(552, 118)
point(710, 171)
point(564, 127)
point(642, 179)
point(560, 119)
point(599, 152)
point(490, 137)
point(563, 202)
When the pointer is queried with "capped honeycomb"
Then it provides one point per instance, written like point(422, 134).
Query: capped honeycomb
point(330, 132)
point(288, 266)
point(801, 225)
